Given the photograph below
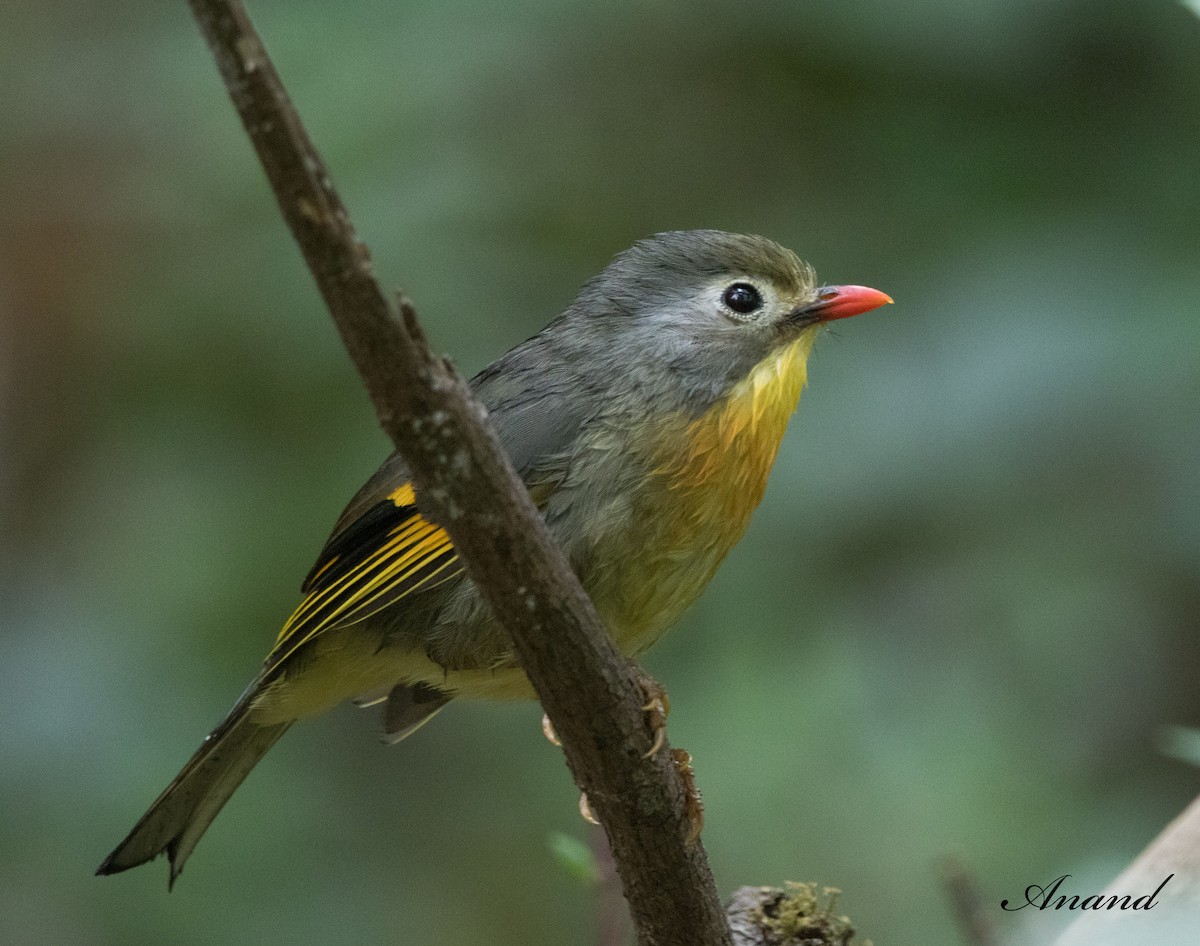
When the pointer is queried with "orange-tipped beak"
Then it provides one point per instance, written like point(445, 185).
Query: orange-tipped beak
point(841, 302)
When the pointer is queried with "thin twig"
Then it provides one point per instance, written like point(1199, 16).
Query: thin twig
point(466, 484)
point(962, 888)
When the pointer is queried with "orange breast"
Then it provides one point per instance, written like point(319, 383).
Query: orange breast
point(710, 475)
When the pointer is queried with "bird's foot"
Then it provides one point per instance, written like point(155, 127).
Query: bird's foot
point(657, 707)
point(693, 803)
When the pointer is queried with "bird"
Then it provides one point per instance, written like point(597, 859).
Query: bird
point(644, 421)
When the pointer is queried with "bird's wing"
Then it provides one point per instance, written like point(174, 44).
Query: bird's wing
point(383, 549)
point(388, 552)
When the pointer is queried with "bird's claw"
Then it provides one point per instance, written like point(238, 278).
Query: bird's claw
point(694, 804)
point(585, 810)
point(657, 707)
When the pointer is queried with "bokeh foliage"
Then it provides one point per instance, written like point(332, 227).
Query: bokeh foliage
point(967, 606)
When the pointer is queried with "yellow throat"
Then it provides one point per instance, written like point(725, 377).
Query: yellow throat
point(729, 451)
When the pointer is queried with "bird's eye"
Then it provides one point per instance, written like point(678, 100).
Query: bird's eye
point(742, 298)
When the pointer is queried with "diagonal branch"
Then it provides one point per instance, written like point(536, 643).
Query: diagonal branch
point(466, 483)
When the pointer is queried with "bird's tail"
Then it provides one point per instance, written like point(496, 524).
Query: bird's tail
point(185, 809)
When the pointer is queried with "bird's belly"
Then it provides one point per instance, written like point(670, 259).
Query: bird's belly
point(661, 561)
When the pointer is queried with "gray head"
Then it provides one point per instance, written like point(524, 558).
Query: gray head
point(686, 315)
point(674, 323)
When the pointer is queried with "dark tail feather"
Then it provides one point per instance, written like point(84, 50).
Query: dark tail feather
point(183, 812)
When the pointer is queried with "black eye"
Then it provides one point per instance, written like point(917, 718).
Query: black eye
point(742, 297)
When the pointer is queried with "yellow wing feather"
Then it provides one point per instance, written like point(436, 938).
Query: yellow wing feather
point(390, 552)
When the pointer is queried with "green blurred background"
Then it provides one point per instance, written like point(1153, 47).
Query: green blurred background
point(959, 622)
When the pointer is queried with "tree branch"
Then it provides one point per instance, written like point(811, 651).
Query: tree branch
point(798, 915)
point(466, 484)
point(962, 888)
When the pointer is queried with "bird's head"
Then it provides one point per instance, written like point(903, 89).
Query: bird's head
point(691, 313)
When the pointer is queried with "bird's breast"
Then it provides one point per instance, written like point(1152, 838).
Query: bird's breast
point(708, 475)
